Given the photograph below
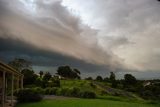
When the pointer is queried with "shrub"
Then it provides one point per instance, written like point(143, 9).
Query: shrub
point(51, 91)
point(47, 91)
point(64, 91)
point(147, 94)
point(75, 92)
point(87, 94)
point(92, 85)
point(28, 95)
point(58, 92)
point(39, 90)
point(104, 92)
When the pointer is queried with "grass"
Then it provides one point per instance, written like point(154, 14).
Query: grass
point(86, 103)
point(102, 100)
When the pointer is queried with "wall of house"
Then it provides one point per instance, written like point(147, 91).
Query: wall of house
point(1, 87)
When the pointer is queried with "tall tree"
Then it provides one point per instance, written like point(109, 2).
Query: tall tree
point(19, 64)
point(129, 79)
point(112, 77)
point(99, 78)
point(68, 72)
point(41, 73)
point(47, 76)
point(29, 76)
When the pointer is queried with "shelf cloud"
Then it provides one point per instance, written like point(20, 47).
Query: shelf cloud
point(96, 36)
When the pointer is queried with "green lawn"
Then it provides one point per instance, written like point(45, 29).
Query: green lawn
point(85, 103)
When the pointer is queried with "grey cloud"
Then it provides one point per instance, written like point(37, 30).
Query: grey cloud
point(106, 35)
point(45, 59)
point(137, 21)
point(52, 28)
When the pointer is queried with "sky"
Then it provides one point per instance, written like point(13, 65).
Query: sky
point(95, 36)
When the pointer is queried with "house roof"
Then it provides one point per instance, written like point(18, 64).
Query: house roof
point(7, 68)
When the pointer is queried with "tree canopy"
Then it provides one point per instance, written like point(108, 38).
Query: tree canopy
point(20, 64)
point(129, 79)
point(68, 72)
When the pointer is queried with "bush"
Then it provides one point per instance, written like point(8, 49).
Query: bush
point(75, 92)
point(92, 85)
point(104, 92)
point(64, 91)
point(28, 95)
point(39, 90)
point(147, 94)
point(47, 91)
point(87, 94)
point(58, 92)
point(51, 91)
point(71, 92)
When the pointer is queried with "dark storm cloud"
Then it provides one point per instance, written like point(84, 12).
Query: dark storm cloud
point(57, 35)
point(10, 49)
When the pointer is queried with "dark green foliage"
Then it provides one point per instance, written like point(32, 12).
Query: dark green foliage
point(129, 79)
point(77, 71)
point(67, 72)
point(47, 76)
point(130, 88)
point(53, 82)
point(75, 92)
point(106, 79)
point(114, 84)
point(28, 95)
point(71, 92)
point(99, 78)
point(39, 90)
point(39, 82)
point(64, 91)
point(92, 85)
point(112, 77)
point(89, 78)
point(19, 64)
point(87, 94)
point(151, 92)
point(104, 92)
point(56, 82)
point(29, 77)
point(51, 91)
point(147, 94)
point(41, 73)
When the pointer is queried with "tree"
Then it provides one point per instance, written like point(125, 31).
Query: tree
point(47, 76)
point(19, 64)
point(114, 84)
point(106, 79)
point(41, 73)
point(67, 72)
point(89, 78)
point(39, 82)
point(112, 76)
point(112, 79)
point(99, 78)
point(129, 80)
point(29, 76)
point(54, 82)
point(77, 71)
